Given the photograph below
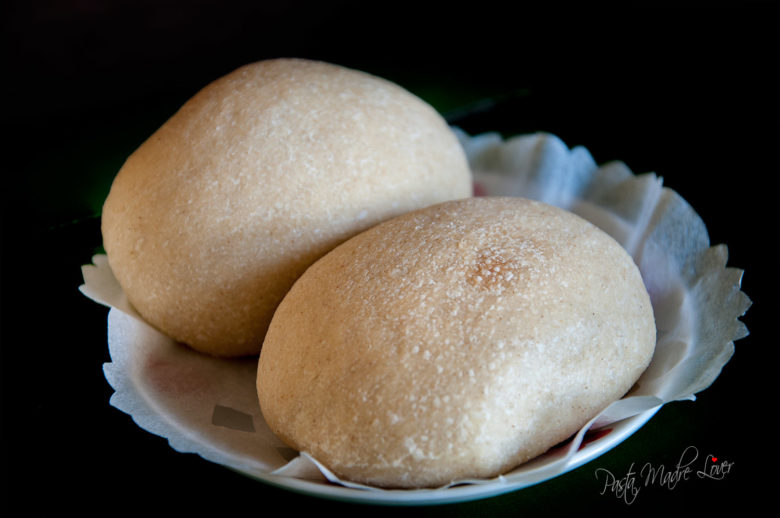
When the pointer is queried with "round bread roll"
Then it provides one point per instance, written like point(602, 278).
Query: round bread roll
point(211, 220)
point(453, 342)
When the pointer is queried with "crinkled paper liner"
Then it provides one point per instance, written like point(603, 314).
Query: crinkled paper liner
point(209, 406)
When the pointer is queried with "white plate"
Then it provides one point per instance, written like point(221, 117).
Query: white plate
point(654, 223)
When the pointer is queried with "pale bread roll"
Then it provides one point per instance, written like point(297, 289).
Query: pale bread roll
point(453, 342)
point(212, 219)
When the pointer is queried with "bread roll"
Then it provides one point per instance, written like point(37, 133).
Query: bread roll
point(212, 219)
point(455, 341)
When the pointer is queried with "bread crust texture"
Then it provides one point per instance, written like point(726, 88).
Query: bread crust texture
point(209, 223)
point(454, 342)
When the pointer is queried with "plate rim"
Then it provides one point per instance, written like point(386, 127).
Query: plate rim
point(621, 431)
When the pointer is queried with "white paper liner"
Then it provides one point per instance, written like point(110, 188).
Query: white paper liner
point(209, 406)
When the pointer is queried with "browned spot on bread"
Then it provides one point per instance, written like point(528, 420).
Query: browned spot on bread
point(500, 267)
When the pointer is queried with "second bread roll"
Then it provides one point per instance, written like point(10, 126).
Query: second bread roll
point(212, 219)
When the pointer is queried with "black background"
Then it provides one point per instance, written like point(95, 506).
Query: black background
point(689, 92)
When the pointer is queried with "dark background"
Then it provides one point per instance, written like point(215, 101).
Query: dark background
point(688, 92)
